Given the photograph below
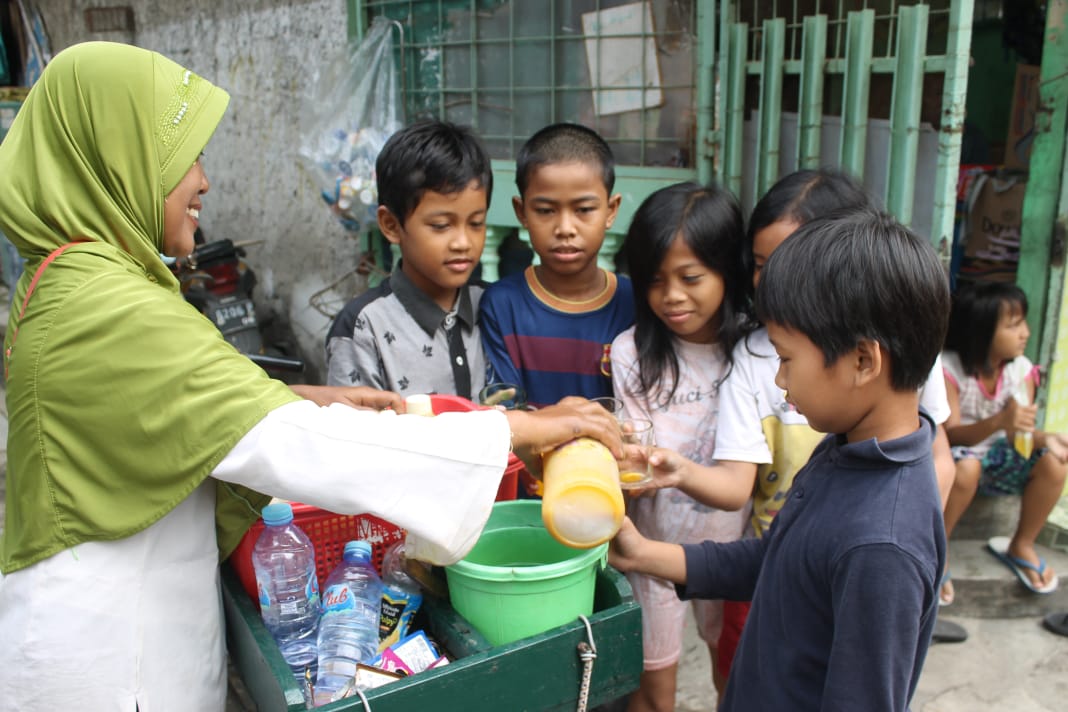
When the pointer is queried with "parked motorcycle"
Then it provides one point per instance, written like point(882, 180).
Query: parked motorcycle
point(217, 281)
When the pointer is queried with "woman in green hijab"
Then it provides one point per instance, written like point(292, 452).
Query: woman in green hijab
point(140, 441)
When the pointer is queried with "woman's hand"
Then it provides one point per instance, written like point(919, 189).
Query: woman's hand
point(362, 397)
point(538, 431)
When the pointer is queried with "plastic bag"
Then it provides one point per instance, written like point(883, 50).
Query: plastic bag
point(354, 109)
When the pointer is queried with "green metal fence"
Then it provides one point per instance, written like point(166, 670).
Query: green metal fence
point(822, 59)
point(628, 70)
point(672, 85)
point(1044, 231)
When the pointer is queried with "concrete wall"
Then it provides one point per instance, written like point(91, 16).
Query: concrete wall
point(266, 53)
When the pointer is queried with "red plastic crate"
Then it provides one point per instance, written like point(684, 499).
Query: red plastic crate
point(515, 468)
point(328, 533)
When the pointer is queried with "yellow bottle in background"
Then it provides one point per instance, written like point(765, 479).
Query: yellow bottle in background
point(583, 504)
point(1024, 441)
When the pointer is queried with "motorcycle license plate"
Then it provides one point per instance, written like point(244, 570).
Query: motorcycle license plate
point(235, 314)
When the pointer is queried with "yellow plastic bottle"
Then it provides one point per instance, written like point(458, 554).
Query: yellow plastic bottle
point(1024, 441)
point(583, 504)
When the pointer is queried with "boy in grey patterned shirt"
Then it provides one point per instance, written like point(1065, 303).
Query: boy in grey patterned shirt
point(417, 332)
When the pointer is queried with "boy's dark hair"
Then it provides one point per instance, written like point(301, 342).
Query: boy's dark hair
point(429, 155)
point(709, 220)
point(564, 143)
point(973, 319)
point(801, 197)
point(860, 275)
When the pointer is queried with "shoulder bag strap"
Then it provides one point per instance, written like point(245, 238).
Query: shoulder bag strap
point(26, 300)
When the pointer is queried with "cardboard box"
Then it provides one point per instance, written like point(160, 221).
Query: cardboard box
point(995, 214)
point(1022, 111)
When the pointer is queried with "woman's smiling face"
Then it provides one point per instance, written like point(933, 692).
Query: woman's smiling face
point(181, 212)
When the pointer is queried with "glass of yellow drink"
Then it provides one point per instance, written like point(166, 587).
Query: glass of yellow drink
point(635, 472)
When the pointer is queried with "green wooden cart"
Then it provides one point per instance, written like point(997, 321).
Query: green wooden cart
point(542, 672)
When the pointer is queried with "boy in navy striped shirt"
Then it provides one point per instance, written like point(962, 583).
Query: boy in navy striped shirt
point(549, 328)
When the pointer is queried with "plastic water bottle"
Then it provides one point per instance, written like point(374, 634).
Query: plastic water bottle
point(284, 562)
point(401, 597)
point(348, 632)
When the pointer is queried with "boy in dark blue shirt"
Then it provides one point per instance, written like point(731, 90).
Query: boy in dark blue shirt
point(845, 584)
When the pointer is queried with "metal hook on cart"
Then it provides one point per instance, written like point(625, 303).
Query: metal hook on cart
point(587, 653)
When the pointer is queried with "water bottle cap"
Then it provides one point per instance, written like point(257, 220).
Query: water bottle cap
point(277, 514)
point(357, 547)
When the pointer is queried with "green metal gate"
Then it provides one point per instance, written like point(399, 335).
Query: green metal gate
point(509, 67)
point(669, 84)
point(821, 60)
point(1041, 271)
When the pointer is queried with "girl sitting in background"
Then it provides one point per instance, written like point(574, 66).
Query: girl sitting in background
point(991, 388)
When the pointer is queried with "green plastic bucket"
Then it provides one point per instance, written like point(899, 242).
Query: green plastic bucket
point(518, 581)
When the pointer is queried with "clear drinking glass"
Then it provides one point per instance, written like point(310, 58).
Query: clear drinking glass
point(612, 405)
point(635, 472)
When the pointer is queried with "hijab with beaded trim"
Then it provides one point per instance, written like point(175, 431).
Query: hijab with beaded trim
point(122, 398)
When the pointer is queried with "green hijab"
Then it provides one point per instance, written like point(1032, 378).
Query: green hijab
point(122, 398)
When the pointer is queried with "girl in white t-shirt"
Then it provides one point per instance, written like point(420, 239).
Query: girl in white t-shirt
point(991, 388)
point(683, 250)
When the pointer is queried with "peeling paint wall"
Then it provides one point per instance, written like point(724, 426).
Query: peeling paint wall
point(266, 54)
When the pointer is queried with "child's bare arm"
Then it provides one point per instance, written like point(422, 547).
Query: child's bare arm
point(727, 485)
point(630, 551)
point(945, 468)
point(1011, 418)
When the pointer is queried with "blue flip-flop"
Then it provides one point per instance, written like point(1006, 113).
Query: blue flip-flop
point(999, 547)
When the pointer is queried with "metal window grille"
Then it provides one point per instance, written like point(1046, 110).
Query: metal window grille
point(509, 67)
point(853, 60)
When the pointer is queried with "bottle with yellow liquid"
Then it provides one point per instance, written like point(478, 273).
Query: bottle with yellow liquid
point(1024, 441)
point(583, 504)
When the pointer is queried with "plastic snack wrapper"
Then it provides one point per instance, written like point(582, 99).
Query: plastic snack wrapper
point(354, 108)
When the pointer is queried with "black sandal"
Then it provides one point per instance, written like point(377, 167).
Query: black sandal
point(948, 632)
point(1056, 622)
